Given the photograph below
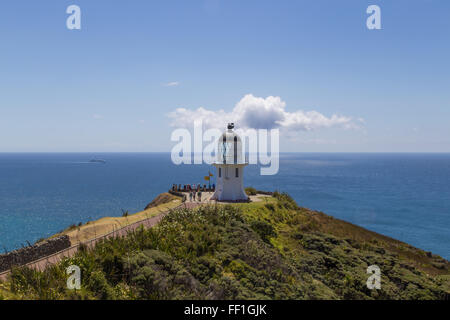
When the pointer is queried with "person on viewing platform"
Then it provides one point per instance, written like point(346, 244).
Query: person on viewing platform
point(199, 196)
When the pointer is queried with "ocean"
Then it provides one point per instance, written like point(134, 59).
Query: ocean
point(404, 196)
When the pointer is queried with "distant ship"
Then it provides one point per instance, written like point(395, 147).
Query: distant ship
point(97, 161)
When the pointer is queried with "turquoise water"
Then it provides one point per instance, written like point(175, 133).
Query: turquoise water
point(405, 196)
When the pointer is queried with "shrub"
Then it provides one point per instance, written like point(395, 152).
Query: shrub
point(98, 284)
point(250, 191)
point(264, 230)
point(285, 200)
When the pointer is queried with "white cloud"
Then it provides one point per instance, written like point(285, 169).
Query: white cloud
point(259, 113)
point(97, 116)
point(172, 84)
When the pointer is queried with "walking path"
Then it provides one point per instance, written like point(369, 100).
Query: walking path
point(206, 198)
point(42, 263)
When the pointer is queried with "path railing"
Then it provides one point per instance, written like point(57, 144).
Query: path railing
point(41, 263)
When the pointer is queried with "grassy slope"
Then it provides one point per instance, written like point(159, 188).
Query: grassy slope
point(105, 225)
point(303, 234)
point(92, 229)
point(268, 250)
point(289, 222)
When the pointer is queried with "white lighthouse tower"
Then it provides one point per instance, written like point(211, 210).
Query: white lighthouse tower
point(230, 168)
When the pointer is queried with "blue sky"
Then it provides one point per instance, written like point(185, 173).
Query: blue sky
point(105, 87)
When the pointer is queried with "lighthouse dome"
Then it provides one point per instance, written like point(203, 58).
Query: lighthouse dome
point(229, 149)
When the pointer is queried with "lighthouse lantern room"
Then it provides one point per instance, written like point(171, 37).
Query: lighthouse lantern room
point(230, 165)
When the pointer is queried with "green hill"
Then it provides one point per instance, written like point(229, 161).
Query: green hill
point(272, 249)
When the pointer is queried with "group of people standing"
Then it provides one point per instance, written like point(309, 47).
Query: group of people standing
point(195, 190)
point(192, 196)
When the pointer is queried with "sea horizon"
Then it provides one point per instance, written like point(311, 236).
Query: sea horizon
point(401, 195)
point(284, 152)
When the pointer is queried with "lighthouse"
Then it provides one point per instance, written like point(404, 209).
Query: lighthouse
point(230, 168)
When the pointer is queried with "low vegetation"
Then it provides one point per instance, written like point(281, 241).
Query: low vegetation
point(93, 229)
point(250, 191)
point(272, 249)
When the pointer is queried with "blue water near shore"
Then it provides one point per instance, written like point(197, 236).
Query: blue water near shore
point(405, 196)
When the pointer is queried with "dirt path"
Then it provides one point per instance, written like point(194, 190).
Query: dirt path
point(42, 263)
